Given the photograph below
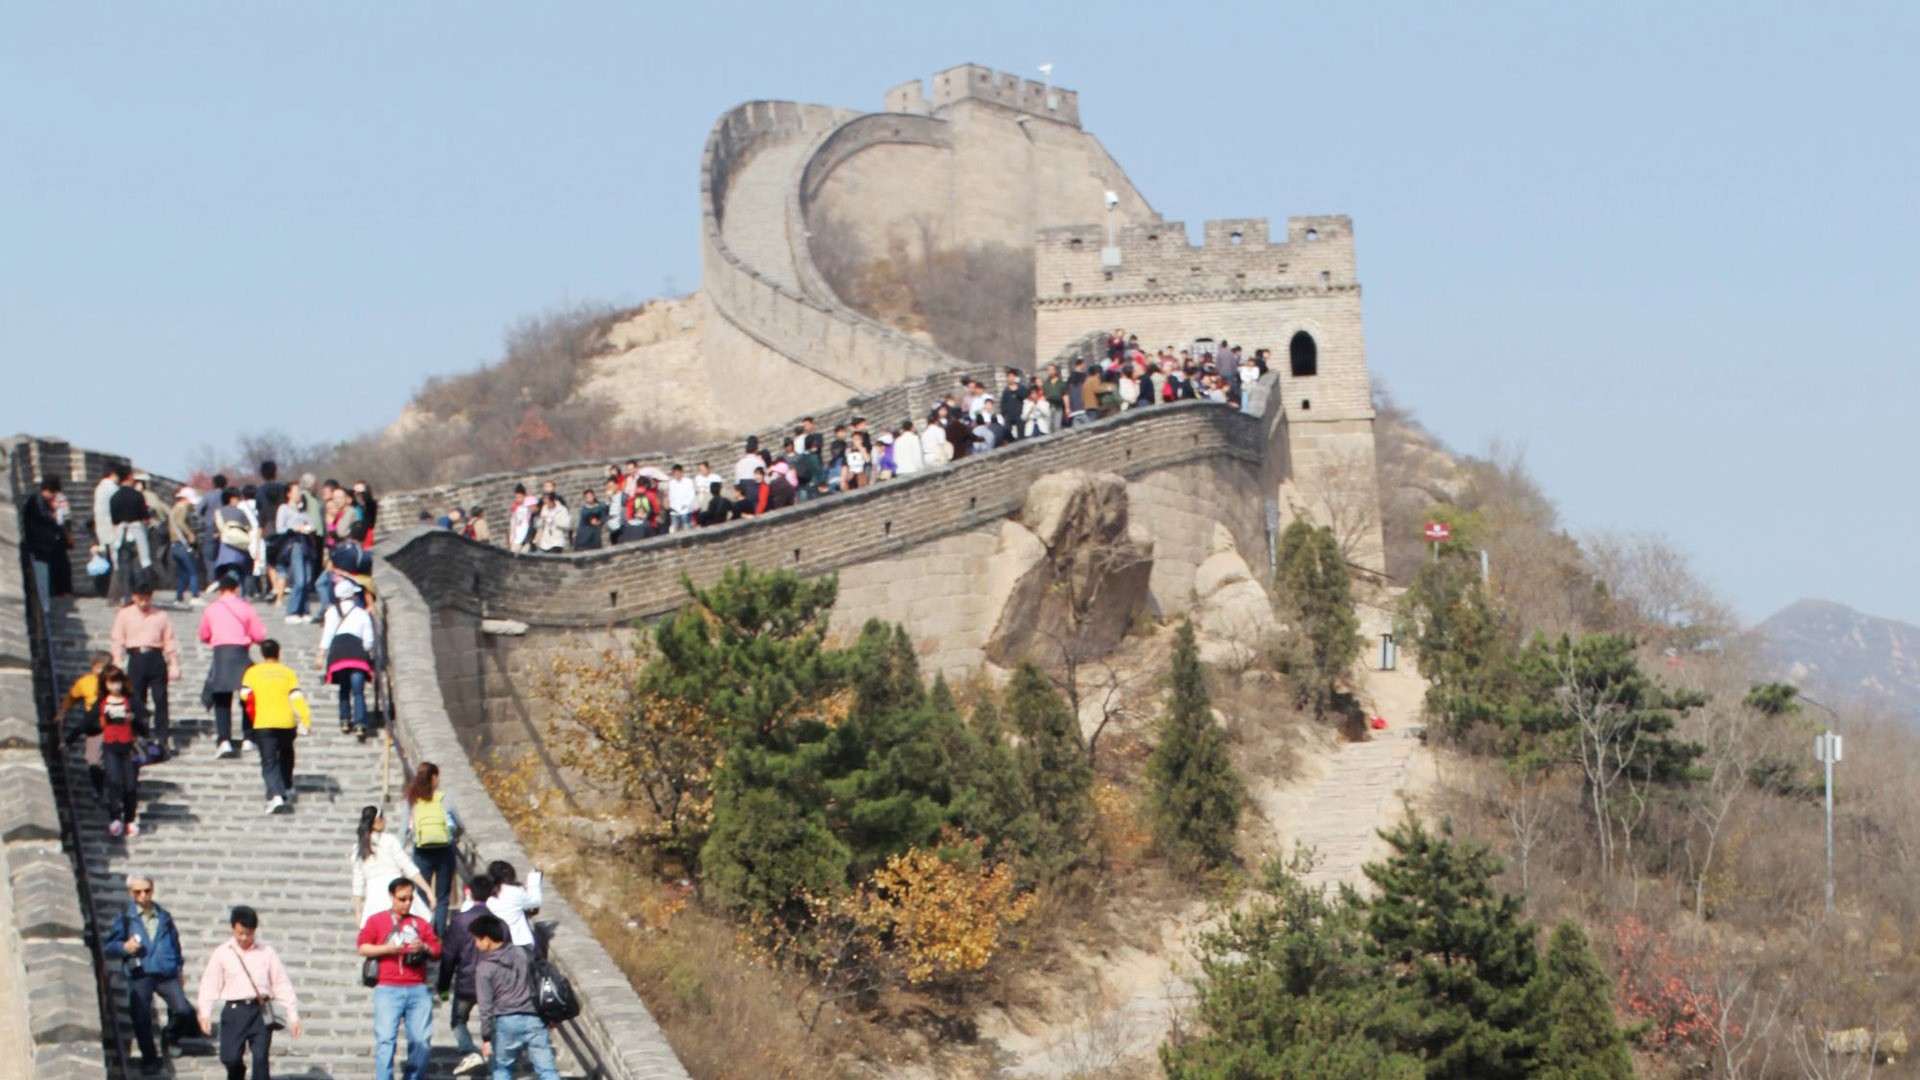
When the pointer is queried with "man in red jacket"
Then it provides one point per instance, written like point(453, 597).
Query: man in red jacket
point(404, 943)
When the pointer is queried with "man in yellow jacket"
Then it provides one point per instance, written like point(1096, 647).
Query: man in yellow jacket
point(270, 693)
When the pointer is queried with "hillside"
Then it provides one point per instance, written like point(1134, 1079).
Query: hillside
point(584, 382)
point(1843, 656)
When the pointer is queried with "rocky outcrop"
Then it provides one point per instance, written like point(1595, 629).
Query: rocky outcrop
point(1232, 615)
point(1069, 571)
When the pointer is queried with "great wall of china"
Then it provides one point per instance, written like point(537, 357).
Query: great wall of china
point(977, 157)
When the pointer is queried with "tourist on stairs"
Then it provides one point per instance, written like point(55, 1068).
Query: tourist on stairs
point(512, 902)
point(249, 983)
point(458, 962)
point(404, 943)
point(119, 726)
point(147, 944)
point(232, 627)
point(297, 551)
point(378, 858)
point(346, 656)
point(144, 646)
point(79, 702)
point(433, 829)
point(270, 693)
point(509, 1021)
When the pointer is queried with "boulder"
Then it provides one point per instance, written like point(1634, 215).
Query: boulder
point(1068, 571)
point(1218, 571)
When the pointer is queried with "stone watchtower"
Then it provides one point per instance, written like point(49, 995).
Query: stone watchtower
point(1299, 298)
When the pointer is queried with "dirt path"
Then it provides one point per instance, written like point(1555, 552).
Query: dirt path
point(1346, 795)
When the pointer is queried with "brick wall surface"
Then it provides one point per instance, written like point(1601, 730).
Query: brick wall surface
point(641, 580)
point(1251, 291)
point(57, 1007)
point(772, 348)
point(615, 1021)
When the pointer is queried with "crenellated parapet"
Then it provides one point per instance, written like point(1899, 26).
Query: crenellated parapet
point(1075, 265)
point(976, 82)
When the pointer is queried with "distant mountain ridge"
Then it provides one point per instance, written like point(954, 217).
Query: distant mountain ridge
point(1839, 655)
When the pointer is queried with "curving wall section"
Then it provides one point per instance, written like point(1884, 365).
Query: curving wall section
point(777, 347)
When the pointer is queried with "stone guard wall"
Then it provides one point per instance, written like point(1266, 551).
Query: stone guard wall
point(614, 1021)
point(51, 991)
point(598, 588)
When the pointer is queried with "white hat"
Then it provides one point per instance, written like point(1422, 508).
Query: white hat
point(185, 493)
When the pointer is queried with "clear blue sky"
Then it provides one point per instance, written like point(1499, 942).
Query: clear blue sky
point(1667, 249)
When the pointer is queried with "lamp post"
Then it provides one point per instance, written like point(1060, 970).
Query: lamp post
point(1826, 750)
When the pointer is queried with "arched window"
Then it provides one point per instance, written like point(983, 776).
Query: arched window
point(1303, 356)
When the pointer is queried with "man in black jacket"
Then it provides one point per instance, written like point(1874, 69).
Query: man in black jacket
point(45, 539)
point(1013, 397)
point(128, 516)
point(459, 959)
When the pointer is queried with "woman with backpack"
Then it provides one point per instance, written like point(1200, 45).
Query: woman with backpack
point(432, 828)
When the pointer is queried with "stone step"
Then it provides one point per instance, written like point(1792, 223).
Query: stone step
point(208, 844)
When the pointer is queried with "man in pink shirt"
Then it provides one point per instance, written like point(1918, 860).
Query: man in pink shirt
point(144, 646)
point(245, 980)
point(232, 627)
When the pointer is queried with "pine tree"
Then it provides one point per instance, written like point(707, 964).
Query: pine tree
point(1581, 1039)
point(1287, 988)
point(1194, 791)
point(765, 848)
point(1052, 759)
point(749, 651)
point(887, 768)
point(1461, 947)
point(1316, 598)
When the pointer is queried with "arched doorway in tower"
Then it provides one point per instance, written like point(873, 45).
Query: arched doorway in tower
point(1303, 356)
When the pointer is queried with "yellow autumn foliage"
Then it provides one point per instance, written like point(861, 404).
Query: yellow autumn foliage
point(940, 915)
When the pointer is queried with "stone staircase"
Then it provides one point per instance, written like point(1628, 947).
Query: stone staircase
point(207, 841)
point(755, 225)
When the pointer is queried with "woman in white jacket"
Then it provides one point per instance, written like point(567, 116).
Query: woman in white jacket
point(347, 653)
point(512, 902)
point(934, 450)
point(909, 453)
point(378, 858)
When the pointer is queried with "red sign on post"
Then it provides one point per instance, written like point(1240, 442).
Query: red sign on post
point(1438, 531)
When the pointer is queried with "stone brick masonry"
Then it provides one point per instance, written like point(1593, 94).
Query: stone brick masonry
point(50, 1022)
point(632, 581)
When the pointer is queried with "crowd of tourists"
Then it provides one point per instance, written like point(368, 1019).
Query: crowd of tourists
point(634, 502)
point(404, 888)
point(276, 537)
point(484, 958)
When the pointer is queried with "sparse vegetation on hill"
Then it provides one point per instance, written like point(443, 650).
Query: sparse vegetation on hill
point(1611, 733)
point(529, 408)
point(975, 302)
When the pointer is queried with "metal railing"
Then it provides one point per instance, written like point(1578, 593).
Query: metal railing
point(54, 748)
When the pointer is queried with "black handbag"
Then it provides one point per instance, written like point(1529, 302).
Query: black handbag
point(370, 971)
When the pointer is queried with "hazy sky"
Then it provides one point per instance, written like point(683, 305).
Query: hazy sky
point(1669, 250)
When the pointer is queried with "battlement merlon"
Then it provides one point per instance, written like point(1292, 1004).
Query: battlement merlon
point(978, 83)
point(1234, 253)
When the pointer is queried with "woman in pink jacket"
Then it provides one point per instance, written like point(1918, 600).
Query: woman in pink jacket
point(232, 627)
